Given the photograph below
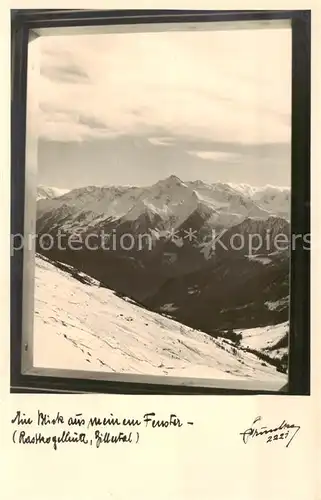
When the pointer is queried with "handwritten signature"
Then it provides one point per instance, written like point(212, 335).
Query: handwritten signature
point(284, 431)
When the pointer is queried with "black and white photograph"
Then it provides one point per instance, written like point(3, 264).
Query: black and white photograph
point(163, 203)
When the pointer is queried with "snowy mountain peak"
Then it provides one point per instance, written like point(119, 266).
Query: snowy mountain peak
point(48, 192)
point(170, 198)
point(171, 182)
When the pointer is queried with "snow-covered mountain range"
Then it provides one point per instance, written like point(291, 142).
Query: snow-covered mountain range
point(81, 326)
point(166, 204)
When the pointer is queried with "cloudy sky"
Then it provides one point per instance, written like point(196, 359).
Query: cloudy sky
point(134, 108)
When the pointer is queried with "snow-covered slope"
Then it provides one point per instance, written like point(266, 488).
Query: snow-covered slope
point(47, 192)
point(271, 340)
point(263, 338)
point(80, 326)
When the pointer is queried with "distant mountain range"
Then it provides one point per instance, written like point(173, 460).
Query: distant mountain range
point(168, 203)
point(179, 269)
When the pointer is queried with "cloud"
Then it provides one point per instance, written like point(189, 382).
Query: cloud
point(161, 141)
point(215, 155)
point(70, 74)
point(61, 65)
point(216, 86)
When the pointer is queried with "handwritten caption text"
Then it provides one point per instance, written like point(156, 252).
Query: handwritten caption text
point(58, 429)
